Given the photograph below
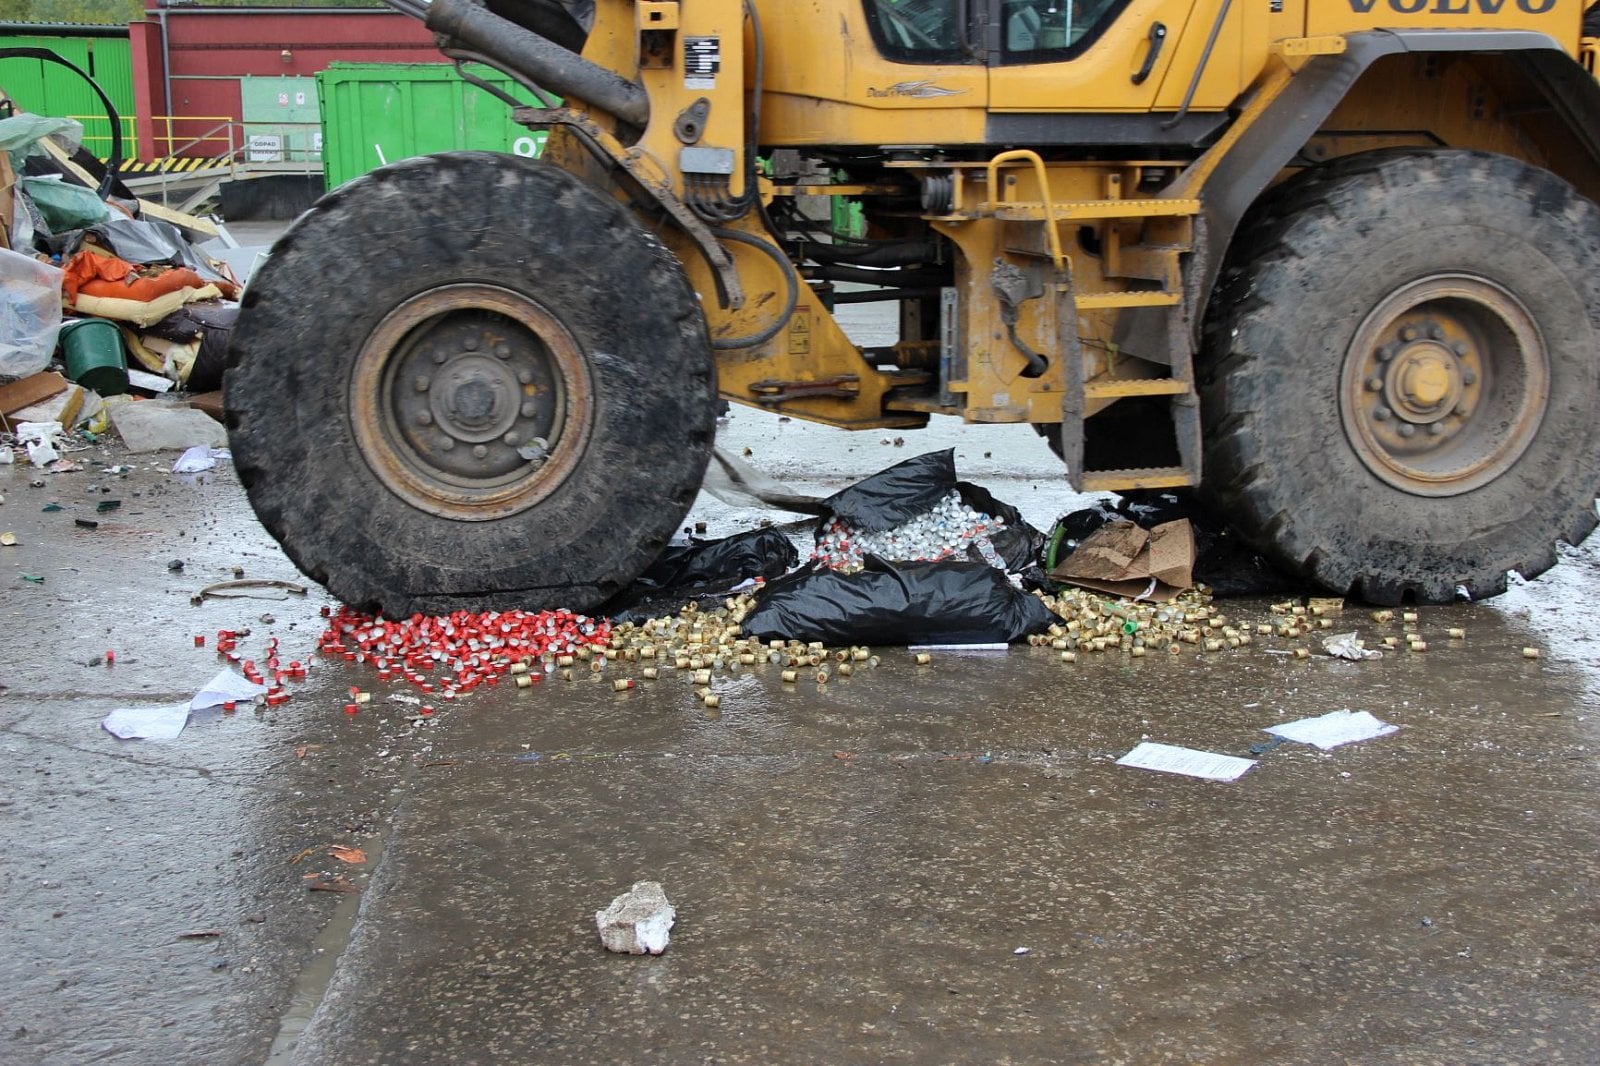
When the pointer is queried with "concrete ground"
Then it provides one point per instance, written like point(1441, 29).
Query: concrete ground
point(915, 864)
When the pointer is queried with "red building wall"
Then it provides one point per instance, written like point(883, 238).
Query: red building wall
point(200, 53)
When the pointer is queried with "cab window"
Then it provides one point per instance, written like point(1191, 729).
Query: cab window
point(918, 31)
point(1047, 31)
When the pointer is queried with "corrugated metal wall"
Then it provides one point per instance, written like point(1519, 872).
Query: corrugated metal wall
point(49, 89)
point(383, 112)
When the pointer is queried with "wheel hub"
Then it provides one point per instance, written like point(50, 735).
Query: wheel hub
point(471, 402)
point(1444, 385)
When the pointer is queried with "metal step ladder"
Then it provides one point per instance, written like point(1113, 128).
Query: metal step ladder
point(1156, 269)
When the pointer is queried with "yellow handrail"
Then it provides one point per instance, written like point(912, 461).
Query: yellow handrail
point(1028, 156)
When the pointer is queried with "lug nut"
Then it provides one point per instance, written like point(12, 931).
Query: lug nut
point(1374, 383)
point(1381, 413)
point(1385, 353)
point(1408, 333)
point(529, 409)
point(1406, 429)
point(447, 443)
point(479, 451)
point(1435, 429)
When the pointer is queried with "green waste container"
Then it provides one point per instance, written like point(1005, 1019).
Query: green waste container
point(94, 355)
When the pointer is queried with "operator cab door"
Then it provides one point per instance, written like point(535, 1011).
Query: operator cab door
point(1053, 64)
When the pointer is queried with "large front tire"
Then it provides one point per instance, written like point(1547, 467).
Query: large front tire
point(470, 381)
point(1401, 376)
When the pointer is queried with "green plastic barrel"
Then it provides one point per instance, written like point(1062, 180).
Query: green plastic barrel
point(94, 355)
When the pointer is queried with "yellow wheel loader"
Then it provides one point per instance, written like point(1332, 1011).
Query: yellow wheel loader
point(1330, 266)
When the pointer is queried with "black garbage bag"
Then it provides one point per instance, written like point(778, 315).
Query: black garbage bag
point(894, 496)
point(1019, 545)
point(211, 323)
point(702, 570)
point(889, 604)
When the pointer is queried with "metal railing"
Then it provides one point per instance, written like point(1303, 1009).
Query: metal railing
point(225, 138)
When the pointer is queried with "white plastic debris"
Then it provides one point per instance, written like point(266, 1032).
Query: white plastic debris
point(199, 459)
point(40, 439)
point(226, 687)
point(1349, 646)
point(147, 723)
point(638, 921)
point(1330, 730)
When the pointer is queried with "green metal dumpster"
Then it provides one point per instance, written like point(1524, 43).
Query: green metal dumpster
point(377, 113)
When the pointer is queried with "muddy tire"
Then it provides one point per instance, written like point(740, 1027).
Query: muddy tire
point(1399, 382)
point(470, 381)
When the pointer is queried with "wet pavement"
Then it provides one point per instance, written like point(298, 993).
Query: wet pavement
point(857, 867)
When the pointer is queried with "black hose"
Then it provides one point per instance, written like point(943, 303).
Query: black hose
point(115, 162)
point(792, 297)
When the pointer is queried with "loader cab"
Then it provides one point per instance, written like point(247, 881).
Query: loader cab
point(1106, 57)
point(958, 31)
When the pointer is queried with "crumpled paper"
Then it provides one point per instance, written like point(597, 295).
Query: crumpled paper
point(1349, 646)
point(40, 439)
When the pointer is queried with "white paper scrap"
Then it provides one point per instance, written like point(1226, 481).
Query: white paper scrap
point(1330, 730)
point(147, 723)
point(226, 687)
point(1170, 759)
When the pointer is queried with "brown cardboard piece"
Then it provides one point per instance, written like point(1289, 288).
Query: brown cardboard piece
point(1122, 559)
point(30, 390)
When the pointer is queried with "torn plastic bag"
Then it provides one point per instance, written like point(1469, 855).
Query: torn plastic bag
point(702, 570)
point(30, 313)
point(894, 496)
point(887, 604)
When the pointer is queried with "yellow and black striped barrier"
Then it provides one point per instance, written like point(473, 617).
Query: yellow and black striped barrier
point(170, 165)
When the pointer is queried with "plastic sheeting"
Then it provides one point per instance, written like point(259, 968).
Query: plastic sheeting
point(894, 496)
point(887, 604)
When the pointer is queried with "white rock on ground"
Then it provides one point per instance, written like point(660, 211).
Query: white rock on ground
point(637, 921)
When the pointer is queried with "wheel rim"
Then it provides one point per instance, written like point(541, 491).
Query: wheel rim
point(471, 402)
point(1444, 385)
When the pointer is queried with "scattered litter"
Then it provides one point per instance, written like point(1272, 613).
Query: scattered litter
point(256, 588)
point(8, 540)
point(33, 579)
point(200, 934)
point(1170, 759)
point(1330, 730)
point(199, 458)
point(226, 687)
point(959, 647)
point(147, 723)
point(1349, 646)
point(638, 921)
point(1022, 951)
point(40, 440)
point(353, 856)
point(331, 883)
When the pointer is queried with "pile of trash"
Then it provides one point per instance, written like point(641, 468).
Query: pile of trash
point(113, 290)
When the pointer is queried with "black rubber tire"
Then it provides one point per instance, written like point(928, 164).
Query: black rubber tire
point(486, 219)
point(1304, 273)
